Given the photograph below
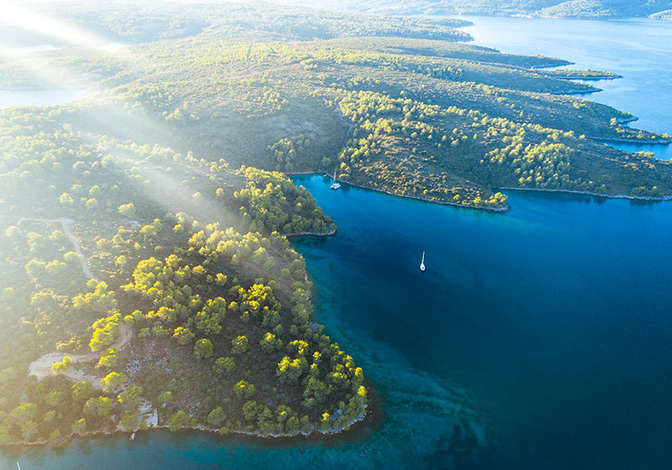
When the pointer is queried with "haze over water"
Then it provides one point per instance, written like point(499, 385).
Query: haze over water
point(551, 322)
point(637, 49)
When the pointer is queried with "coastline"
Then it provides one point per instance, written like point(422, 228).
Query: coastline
point(627, 120)
point(366, 421)
point(576, 92)
point(418, 198)
point(589, 193)
point(508, 188)
point(630, 141)
point(587, 78)
point(310, 234)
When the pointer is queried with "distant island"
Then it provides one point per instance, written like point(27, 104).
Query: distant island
point(586, 9)
point(148, 278)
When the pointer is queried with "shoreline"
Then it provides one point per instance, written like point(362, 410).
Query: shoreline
point(627, 120)
point(630, 141)
point(365, 421)
point(589, 193)
point(576, 92)
point(587, 78)
point(509, 188)
point(418, 198)
point(310, 234)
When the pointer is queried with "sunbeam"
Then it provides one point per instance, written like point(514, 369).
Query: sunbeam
point(17, 15)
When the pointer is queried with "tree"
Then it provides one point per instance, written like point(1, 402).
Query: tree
point(216, 417)
point(128, 210)
point(269, 342)
point(224, 365)
point(108, 358)
point(203, 348)
point(293, 426)
point(54, 398)
point(112, 381)
point(8, 375)
point(183, 335)
point(243, 390)
point(129, 397)
point(59, 368)
point(239, 345)
point(29, 430)
point(81, 391)
point(130, 420)
point(79, 426)
point(99, 406)
point(49, 416)
point(177, 421)
point(289, 370)
point(23, 413)
point(251, 410)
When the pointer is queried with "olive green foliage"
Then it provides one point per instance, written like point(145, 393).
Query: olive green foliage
point(271, 203)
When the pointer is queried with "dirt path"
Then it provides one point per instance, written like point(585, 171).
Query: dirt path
point(41, 367)
point(78, 248)
point(66, 223)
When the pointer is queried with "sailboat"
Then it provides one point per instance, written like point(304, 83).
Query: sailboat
point(422, 263)
point(335, 184)
point(19, 466)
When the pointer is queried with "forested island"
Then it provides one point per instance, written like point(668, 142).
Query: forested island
point(147, 276)
point(588, 9)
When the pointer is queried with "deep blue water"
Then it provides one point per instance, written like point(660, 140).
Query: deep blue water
point(554, 316)
point(546, 329)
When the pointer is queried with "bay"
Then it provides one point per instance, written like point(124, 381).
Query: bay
point(661, 152)
point(543, 331)
point(636, 49)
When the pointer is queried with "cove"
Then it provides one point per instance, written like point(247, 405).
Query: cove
point(661, 152)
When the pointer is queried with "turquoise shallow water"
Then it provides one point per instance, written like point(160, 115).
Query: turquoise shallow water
point(549, 326)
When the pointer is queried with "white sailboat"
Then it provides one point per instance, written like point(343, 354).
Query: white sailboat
point(19, 466)
point(335, 184)
point(422, 263)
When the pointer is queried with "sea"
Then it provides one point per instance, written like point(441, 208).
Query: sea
point(539, 338)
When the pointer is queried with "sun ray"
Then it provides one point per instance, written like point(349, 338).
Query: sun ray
point(61, 31)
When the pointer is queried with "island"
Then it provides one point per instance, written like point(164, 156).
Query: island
point(585, 9)
point(148, 277)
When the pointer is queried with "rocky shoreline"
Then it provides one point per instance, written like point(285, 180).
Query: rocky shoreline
point(633, 142)
point(589, 193)
point(424, 199)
